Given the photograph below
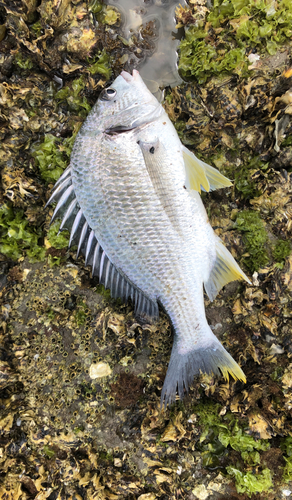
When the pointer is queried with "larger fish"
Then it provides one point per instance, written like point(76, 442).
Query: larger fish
point(130, 197)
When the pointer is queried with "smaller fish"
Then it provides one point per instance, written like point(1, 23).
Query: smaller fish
point(131, 200)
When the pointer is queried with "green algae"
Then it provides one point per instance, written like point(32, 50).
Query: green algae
point(234, 27)
point(50, 157)
point(243, 180)
point(287, 472)
point(105, 292)
point(17, 237)
point(261, 22)
point(250, 482)
point(95, 6)
point(200, 59)
point(48, 451)
point(105, 14)
point(36, 28)
point(72, 95)
point(50, 314)
point(254, 237)
point(23, 63)
point(222, 433)
point(100, 64)
point(57, 240)
point(81, 313)
point(281, 251)
point(53, 154)
point(219, 433)
point(111, 15)
point(286, 446)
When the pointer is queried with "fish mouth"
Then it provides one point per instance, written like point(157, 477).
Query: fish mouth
point(128, 77)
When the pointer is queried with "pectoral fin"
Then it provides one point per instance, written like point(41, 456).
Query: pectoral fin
point(156, 161)
point(200, 175)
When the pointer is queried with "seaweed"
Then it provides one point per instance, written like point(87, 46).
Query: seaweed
point(243, 178)
point(48, 452)
point(233, 27)
point(23, 63)
point(49, 159)
point(254, 237)
point(250, 482)
point(72, 95)
point(56, 239)
point(100, 64)
point(52, 155)
point(220, 433)
point(281, 251)
point(18, 237)
point(286, 446)
point(198, 58)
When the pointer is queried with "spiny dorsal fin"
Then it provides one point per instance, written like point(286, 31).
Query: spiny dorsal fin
point(201, 175)
point(224, 270)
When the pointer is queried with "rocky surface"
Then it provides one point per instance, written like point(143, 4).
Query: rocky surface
point(80, 378)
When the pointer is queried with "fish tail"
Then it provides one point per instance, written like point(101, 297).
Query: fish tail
point(210, 357)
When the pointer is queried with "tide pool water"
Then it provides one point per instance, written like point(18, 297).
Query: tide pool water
point(160, 68)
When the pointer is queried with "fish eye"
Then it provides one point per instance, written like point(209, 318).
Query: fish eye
point(107, 94)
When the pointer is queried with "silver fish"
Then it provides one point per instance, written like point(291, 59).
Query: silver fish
point(130, 198)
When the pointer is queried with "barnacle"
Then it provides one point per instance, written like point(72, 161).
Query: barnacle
point(67, 433)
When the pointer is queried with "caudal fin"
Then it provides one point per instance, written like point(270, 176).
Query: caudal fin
point(211, 358)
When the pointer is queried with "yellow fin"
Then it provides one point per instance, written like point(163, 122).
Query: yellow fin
point(207, 355)
point(224, 270)
point(233, 369)
point(201, 175)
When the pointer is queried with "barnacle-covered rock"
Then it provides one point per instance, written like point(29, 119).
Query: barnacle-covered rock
point(80, 379)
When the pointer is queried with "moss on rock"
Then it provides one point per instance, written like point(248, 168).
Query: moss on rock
point(255, 238)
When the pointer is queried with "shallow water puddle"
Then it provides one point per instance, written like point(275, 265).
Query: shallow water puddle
point(159, 69)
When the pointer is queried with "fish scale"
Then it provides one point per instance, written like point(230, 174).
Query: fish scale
point(141, 211)
point(142, 225)
point(141, 264)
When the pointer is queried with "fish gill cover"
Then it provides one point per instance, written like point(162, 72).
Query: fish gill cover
point(66, 431)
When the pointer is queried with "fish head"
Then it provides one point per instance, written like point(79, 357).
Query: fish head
point(126, 105)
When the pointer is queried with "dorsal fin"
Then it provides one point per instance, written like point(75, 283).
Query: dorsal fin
point(224, 270)
point(146, 309)
point(201, 175)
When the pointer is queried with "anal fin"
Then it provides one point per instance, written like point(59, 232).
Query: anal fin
point(225, 269)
